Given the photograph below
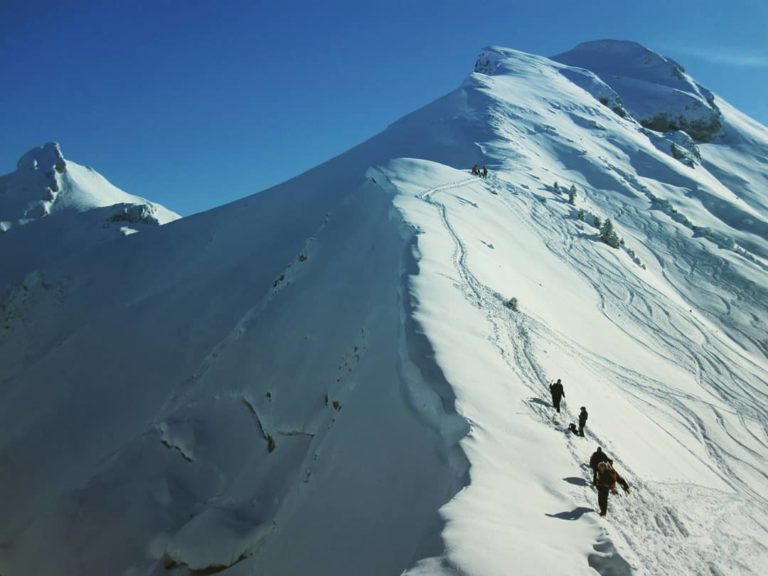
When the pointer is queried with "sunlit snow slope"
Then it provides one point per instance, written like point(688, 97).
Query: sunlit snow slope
point(331, 377)
point(51, 207)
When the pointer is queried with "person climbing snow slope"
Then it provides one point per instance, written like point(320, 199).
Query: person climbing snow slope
point(597, 457)
point(582, 420)
point(558, 393)
point(607, 478)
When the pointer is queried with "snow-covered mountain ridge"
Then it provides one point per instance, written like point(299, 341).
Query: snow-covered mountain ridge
point(347, 374)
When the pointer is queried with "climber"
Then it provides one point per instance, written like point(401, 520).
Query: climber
point(607, 478)
point(475, 170)
point(485, 172)
point(582, 420)
point(557, 391)
point(597, 457)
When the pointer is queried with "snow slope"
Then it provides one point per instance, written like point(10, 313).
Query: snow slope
point(329, 378)
point(51, 207)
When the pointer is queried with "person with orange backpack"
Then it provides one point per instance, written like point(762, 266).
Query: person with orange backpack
point(607, 478)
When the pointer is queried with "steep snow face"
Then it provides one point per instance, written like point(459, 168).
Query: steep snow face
point(654, 89)
point(347, 374)
point(740, 162)
point(262, 381)
point(51, 207)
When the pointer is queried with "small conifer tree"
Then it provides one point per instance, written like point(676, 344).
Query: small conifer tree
point(572, 195)
point(608, 234)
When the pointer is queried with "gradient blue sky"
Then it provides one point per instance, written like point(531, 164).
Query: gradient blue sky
point(194, 104)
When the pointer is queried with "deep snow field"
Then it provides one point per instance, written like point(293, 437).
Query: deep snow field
point(329, 378)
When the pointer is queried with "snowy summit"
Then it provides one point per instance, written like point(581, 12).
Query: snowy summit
point(51, 206)
point(45, 183)
point(654, 89)
point(349, 373)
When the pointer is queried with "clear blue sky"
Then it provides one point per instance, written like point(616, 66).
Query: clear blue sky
point(194, 103)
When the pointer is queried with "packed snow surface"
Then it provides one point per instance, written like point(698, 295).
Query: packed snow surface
point(348, 374)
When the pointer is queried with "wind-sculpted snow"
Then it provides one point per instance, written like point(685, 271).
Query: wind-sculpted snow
point(347, 374)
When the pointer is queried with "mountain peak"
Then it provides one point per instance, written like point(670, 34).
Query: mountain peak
point(495, 60)
point(654, 88)
point(43, 157)
point(48, 197)
point(45, 183)
point(626, 57)
point(618, 47)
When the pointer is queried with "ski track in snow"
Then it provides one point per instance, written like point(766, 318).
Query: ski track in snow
point(748, 403)
point(646, 526)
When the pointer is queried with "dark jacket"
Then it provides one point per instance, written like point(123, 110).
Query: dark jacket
point(583, 417)
point(557, 390)
point(597, 457)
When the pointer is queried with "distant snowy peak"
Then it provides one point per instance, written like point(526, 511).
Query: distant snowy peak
point(628, 78)
point(496, 60)
point(45, 183)
point(630, 59)
point(51, 207)
point(46, 156)
point(654, 89)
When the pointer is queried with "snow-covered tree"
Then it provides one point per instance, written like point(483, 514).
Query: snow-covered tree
point(608, 234)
